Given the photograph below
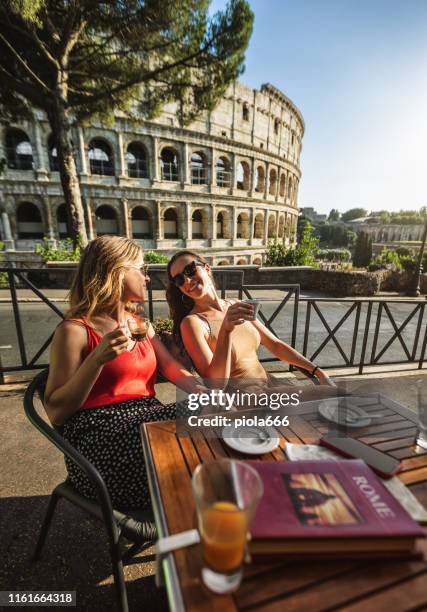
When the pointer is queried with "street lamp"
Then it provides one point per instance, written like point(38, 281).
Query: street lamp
point(415, 289)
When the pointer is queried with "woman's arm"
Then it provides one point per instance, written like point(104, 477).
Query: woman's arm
point(172, 369)
point(71, 377)
point(286, 353)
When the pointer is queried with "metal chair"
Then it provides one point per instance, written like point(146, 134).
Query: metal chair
point(139, 529)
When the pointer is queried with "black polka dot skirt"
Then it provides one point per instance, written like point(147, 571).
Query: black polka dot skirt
point(109, 437)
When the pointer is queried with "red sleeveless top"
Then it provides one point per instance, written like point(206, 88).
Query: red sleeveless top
point(129, 376)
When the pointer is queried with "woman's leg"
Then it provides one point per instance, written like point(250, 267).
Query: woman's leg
point(110, 439)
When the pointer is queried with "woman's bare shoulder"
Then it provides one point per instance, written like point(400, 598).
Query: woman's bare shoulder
point(71, 329)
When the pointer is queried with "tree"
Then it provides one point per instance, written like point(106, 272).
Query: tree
point(362, 250)
point(353, 213)
point(334, 215)
point(76, 59)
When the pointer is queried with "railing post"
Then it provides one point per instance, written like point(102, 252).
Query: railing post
point(365, 337)
point(17, 316)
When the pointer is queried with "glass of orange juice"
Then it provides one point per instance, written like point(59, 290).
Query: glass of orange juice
point(226, 493)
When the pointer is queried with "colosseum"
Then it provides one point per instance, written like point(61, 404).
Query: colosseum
point(224, 185)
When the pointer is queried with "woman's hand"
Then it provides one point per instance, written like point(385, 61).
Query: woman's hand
point(237, 314)
point(111, 346)
point(323, 378)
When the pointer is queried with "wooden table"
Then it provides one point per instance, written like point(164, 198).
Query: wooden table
point(345, 585)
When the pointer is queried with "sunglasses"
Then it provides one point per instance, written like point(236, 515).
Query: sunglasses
point(189, 271)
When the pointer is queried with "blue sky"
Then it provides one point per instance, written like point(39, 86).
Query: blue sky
point(358, 72)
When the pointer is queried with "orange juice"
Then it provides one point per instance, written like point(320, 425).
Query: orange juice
point(224, 528)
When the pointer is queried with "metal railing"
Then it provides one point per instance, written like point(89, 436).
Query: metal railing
point(335, 333)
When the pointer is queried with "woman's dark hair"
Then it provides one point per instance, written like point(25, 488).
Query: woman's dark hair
point(180, 305)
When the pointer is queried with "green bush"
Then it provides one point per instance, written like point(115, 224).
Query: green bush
point(338, 255)
point(386, 259)
point(4, 281)
point(1, 246)
point(304, 254)
point(62, 252)
point(162, 326)
point(155, 258)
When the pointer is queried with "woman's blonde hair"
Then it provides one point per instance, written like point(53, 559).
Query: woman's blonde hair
point(97, 284)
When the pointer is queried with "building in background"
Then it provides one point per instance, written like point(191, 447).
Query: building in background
point(310, 213)
point(225, 185)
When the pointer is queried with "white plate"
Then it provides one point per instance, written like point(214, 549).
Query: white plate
point(343, 411)
point(251, 440)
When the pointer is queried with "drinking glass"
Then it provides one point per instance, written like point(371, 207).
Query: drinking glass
point(139, 323)
point(421, 438)
point(226, 493)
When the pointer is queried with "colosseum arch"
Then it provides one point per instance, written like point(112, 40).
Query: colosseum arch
point(260, 179)
point(137, 160)
point(223, 262)
point(223, 172)
point(199, 168)
point(170, 223)
point(199, 224)
point(106, 221)
point(52, 151)
point(241, 262)
point(282, 187)
point(243, 229)
point(243, 176)
point(61, 221)
point(259, 226)
point(19, 152)
point(272, 182)
point(142, 226)
point(271, 232)
point(29, 221)
point(276, 125)
point(101, 158)
point(169, 164)
point(257, 261)
point(290, 186)
point(281, 226)
point(223, 224)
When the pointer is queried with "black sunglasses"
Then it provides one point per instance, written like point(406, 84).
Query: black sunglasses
point(190, 270)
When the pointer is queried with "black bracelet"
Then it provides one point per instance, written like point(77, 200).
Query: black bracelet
point(314, 370)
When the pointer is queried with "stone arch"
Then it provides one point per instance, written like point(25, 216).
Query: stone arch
point(242, 229)
point(52, 151)
point(141, 222)
point(223, 172)
point(169, 164)
point(137, 160)
point(257, 261)
point(260, 179)
point(101, 159)
point(170, 223)
point(199, 224)
point(271, 232)
point(281, 231)
point(223, 262)
point(272, 188)
point(19, 152)
point(106, 220)
point(241, 262)
point(245, 111)
point(282, 187)
point(223, 224)
point(243, 175)
point(29, 221)
point(259, 226)
point(61, 221)
point(276, 125)
point(199, 168)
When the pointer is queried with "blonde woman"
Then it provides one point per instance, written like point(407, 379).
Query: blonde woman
point(101, 383)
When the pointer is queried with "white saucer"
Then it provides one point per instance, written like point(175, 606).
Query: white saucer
point(253, 440)
point(343, 411)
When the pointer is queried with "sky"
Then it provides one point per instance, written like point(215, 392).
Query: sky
point(357, 70)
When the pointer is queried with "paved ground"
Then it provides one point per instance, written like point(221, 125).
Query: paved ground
point(76, 556)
